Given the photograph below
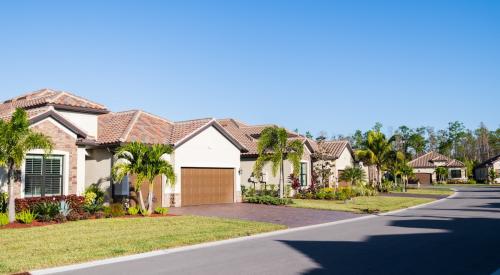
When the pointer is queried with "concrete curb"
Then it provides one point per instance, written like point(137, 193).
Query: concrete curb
point(223, 242)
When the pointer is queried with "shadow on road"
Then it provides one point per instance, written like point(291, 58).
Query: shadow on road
point(466, 246)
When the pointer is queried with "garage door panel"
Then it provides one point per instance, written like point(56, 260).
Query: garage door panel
point(207, 186)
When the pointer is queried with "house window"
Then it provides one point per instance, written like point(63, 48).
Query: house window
point(456, 174)
point(43, 176)
point(303, 174)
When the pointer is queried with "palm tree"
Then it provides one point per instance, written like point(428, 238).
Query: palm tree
point(146, 162)
point(406, 171)
point(441, 173)
point(273, 146)
point(376, 150)
point(16, 140)
point(353, 174)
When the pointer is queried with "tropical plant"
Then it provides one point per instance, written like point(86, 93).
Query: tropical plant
point(441, 173)
point(273, 146)
point(116, 210)
point(376, 150)
point(26, 216)
point(161, 210)
point(269, 200)
point(133, 210)
point(93, 208)
point(46, 211)
point(96, 192)
point(492, 175)
point(17, 139)
point(64, 208)
point(354, 175)
point(4, 219)
point(146, 162)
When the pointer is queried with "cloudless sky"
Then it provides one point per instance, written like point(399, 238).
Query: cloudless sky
point(313, 65)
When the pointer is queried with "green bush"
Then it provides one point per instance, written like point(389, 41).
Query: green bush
point(26, 216)
point(320, 195)
point(93, 208)
point(144, 212)
point(361, 190)
point(308, 196)
point(96, 193)
point(4, 202)
point(116, 210)
point(269, 200)
point(387, 186)
point(73, 216)
point(4, 219)
point(46, 211)
point(344, 193)
point(471, 181)
point(133, 210)
point(161, 210)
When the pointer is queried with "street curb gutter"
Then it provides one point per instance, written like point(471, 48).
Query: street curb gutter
point(223, 242)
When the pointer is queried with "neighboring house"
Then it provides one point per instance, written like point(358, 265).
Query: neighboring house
point(248, 135)
point(341, 155)
point(86, 135)
point(424, 167)
point(482, 171)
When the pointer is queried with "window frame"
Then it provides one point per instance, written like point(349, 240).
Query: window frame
point(303, 174)
point(44, 175)
point(455, 171)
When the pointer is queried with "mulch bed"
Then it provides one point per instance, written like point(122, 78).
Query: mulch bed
point(17, 225)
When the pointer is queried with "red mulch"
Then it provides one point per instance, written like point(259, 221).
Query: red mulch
point(17, 225)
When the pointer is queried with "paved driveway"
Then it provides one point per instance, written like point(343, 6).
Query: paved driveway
point(460, 235)
point(291, 217)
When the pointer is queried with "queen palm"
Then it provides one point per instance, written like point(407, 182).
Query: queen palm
point(146, 163)
point(273, 146)
point(353, 175)
point(16, 140)
point(376, 150)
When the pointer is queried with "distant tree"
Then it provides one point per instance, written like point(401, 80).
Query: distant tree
point(483, 142)
point(376, 150)
point(309, 135)
point(377, 127)
point(356, 139)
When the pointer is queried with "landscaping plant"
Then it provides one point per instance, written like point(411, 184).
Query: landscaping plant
point(26, 216)
point(133, 210)
point(269, 200)
point(4, 219)
point(4, 202)
point(116, 210)
point(46, 211)
point(161, 210)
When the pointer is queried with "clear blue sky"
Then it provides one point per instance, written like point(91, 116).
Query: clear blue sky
point(313, 65)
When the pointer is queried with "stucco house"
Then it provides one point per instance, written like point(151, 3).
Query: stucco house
point(481, 173)
point(248, 135)
point(424, 167)
point(340, 153)
point(86, 135)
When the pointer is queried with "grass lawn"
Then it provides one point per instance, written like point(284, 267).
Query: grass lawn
point(427, 191)
point(74, 242)
point(362, 204)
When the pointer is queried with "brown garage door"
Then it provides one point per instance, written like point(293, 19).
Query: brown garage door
point(207, 186)
point(423, 178)
point(157, 192)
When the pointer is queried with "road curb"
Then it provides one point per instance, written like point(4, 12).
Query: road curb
point(222, 242)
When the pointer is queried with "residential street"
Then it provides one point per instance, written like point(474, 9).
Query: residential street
point(460, 235)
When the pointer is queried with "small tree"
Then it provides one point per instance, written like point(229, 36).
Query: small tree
point(323, 166)
point(492, 175)
point(16, 140)
point(441, 173)
point(376, 150)
point(273, 146)
point(354, 175)
point(146, 162)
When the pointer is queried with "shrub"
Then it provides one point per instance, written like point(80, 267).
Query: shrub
point(330, 196)
point(471, 181)
point(361, 190)
point(320, 195)
point(73, 216)
point(107, 211)
point(46, 211)
point(144, 212)
point(4, 202)
point(97, 192)
point(116, 210)
point(90, 198)
point(92, 208)
point(344, 193)
point(60, 218)
point(26, 216)
point(4, 219)
point(161, 210)
point(455, 182)
point(269, 200)
point(308, 196)
point(75, 202)
point(99, 215)
point(133, 210)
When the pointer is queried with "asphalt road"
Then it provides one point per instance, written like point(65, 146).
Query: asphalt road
point(460, 235)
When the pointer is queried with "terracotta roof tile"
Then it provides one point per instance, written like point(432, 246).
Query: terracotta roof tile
point(182, 129)
point(334, 148)
point(428, 161)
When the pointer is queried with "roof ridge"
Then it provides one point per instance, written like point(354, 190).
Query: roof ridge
point(156, 116)
point(133, 121)
point(191, 120)
point(79, 97)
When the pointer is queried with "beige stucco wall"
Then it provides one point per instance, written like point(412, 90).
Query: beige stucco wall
point(433, 172)
point(98, 169)
point(209, 149)
point(86, 122)
point(247, 170)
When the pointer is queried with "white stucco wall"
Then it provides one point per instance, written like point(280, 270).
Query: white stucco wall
point(247, 170)
point(208, 149)
point(86, 122)
point(98, 169)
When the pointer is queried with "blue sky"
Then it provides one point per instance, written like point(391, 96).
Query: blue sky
point(312, 65)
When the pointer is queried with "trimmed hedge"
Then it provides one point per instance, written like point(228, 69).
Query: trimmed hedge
point(75, 202)
point(269, 200)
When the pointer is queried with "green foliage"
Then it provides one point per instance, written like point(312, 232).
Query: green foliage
point(471, 181)
point(161, 210)
point(98, 194)
point(4, 202)
point(492, 175)
point(93, 208)
point(26, 216)
point(90, 197)
point(269, 200)
point(363, 191)
point(144, 212)
point(442, 173)
point(116, 210)
point(64, 208)
point(344, 193)
point(46, 211)
point(60, 218)
point(133, 210)
point(4, 219)
point(376, 150)
point(354, 175)
point(387, 186)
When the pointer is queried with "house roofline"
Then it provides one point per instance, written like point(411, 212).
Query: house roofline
point(57, 117)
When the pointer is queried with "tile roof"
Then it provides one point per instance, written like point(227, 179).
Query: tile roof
point(334, 148)
point(428, 161)
point(48, 97)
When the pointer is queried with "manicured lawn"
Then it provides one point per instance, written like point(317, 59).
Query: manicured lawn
point(362, 204)
point(74, 242)
point(428, 191)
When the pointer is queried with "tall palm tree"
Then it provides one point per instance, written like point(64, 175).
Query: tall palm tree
point(353, 175)
point(16, 140)
point(273, 146)
point(376, 150)
point(406, 171)
point(146, 163)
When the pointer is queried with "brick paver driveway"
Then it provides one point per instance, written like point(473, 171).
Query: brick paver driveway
point(291, 217)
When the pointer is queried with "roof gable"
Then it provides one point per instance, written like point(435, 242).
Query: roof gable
point(61, 120)
point(430, 159)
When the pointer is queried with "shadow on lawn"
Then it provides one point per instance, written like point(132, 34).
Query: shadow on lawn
point(467, 246)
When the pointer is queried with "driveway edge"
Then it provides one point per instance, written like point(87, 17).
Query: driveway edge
point(222, 242)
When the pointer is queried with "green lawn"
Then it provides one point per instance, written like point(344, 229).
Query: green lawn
point(362, 204)
point(74, 242)
point(428, 191)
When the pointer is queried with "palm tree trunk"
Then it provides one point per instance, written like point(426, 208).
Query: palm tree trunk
point(150, 198)
point(282, 179)
point(12, 200)
point(141, 199)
